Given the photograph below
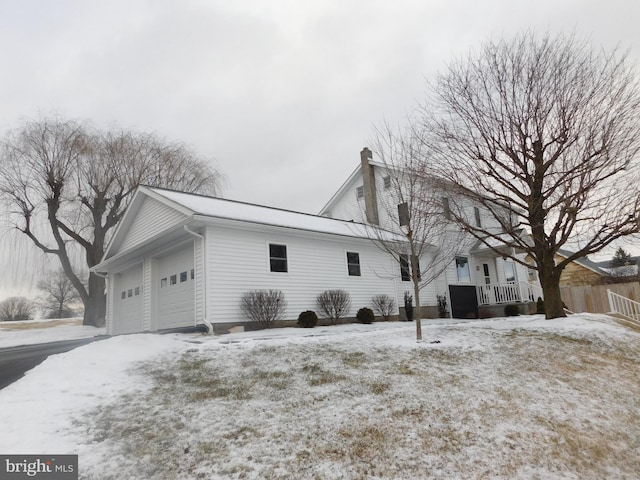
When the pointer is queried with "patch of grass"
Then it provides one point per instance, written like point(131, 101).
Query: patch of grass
point(33, 325)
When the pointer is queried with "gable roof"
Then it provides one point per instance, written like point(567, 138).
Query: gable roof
point(583, 261)
point(194, 207)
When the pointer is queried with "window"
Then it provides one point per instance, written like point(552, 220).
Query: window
point(173, 279)
point(405, 268)
point(446, 209)
point(129, 293)
point(405, 272)
point(476, 211)
point(403, 214)
point(183, 277)
point(462, 269)
point(387, 182)
point(124, 295)
point(509, 271)
point(278, 257)
point(136, 291)
point(163, 283)
point(192, 274)
point(353, 264)
point(360, 192)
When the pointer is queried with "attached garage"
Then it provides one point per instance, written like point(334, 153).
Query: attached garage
point(175, 283)
point(128, 293)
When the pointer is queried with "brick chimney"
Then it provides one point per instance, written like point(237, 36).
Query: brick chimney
point(369, 184)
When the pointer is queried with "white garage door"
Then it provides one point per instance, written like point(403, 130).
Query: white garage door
point(175, 283)
point(128, 301)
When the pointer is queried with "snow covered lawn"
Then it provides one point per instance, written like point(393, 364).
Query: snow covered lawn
point(28, 332)
point(501, 398)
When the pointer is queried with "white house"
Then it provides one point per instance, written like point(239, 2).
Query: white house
point(478, 281)
point(179, 259)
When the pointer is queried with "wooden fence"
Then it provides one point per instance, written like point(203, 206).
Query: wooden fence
point(593, 298)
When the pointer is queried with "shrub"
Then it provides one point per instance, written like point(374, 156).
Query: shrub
point(263, 306)
point(384, 305)
point(16, 308)
point(308, 319)
point(334, 304)
point(442, 306)
point(408, 306)
point(512, 310)
point(365, 315)
point(540, 306)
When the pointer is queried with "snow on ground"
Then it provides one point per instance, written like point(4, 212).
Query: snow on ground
point(29, 332)
point(521, 397)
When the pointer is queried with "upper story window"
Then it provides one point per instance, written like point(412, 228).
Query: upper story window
point(360, 191)
point(446, 209)
point(278, 257)
point(353, 264)
point(476, 212)
point(387, 182)
point(462, 269)
point(403, 214)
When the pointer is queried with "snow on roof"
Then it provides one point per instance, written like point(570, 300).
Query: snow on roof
point(247, 212)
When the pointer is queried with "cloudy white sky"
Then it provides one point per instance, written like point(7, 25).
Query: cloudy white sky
point(280, 94)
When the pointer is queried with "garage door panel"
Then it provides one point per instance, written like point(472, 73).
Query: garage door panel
point(176, 289)
point(128, 301)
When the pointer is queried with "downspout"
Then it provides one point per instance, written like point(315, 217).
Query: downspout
point(204, 278)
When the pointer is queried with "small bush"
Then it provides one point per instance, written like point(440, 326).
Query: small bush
point(264, 306)
point(334, 304)
point(308, 319)
point(512, 310)
point(365, 315)
point(408, 306)
point(442, 306)
point(384, 305)
point(16, 308)
point(540, 306)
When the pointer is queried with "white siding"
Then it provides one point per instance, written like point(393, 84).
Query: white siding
point(238, 261)
point(199, 279)
point(146, 294)
point(152, 218)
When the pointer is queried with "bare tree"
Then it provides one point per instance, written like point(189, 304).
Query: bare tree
point(67, 185)
point(413, 207)
point(16, 308)
point(548, 129)
point(60, 294)
point(384, 305)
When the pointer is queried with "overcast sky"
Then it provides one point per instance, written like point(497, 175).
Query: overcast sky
point(281, 95)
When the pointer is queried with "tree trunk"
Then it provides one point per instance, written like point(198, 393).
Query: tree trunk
point(553, 307)
point(95, 306)
point(416, 294)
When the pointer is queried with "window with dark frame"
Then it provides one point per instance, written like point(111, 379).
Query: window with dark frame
point(129, 293)
point(353, 264)
point(173, 279)
point(278, 258)
point(192, 274)
point(387, 182)
point(183, 277)
point(405, 271)
point(136, 291)
point(124, 295)
point(476, 211)
point(360, 191)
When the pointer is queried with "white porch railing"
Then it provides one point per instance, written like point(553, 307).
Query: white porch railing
point(496, 293)
point(624, 306)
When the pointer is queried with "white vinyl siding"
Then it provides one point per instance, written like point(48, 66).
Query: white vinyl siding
point(237, 263)
point(152, 219)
